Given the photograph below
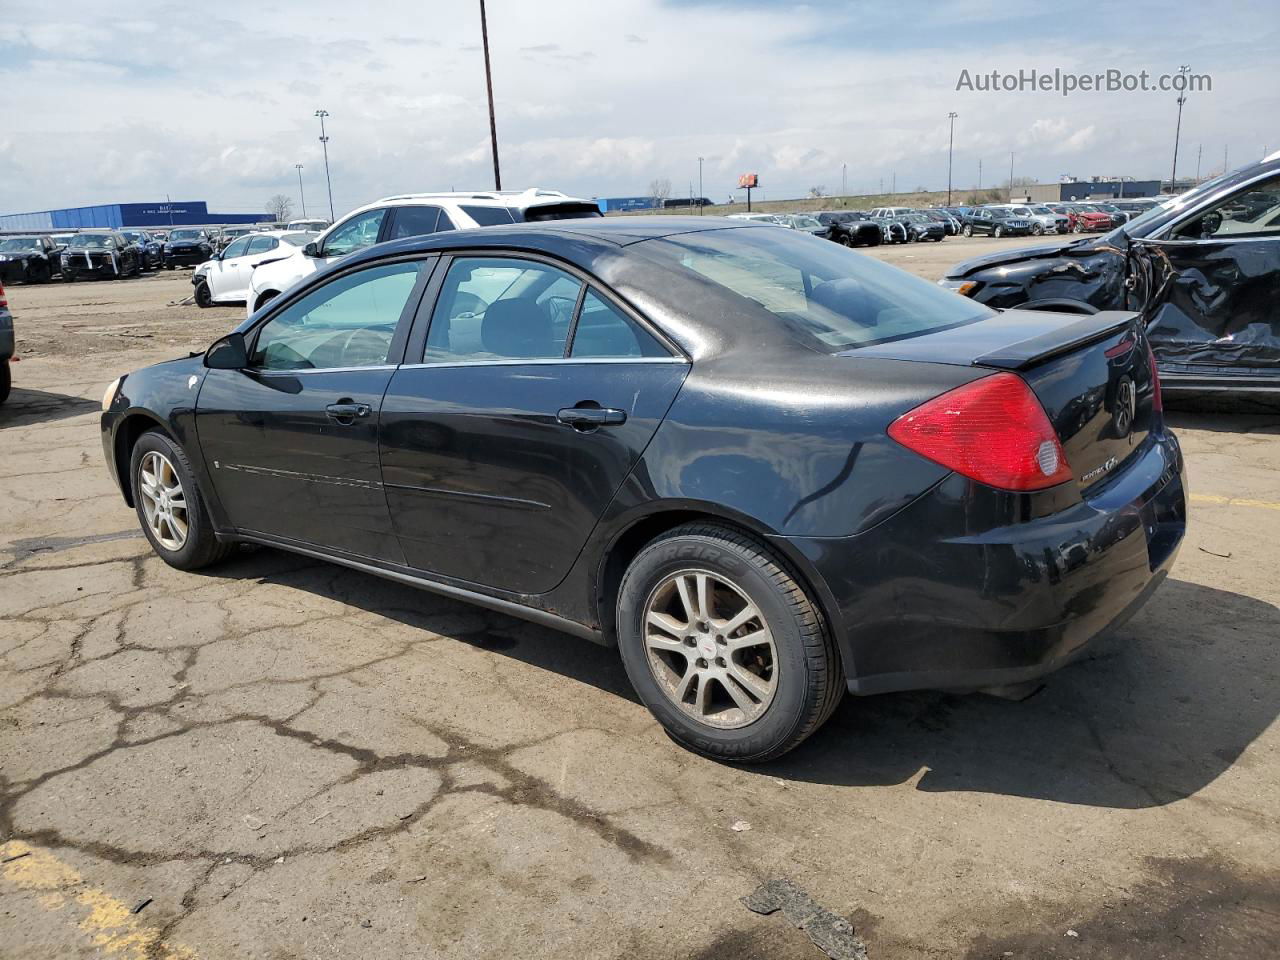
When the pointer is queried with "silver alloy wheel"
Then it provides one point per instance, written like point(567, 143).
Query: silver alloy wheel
point(710, 649)
point(164, 503)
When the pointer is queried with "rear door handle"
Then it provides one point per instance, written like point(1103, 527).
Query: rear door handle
point(586, 418)
point(345, 411)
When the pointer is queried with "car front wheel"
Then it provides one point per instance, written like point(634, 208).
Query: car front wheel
point(204, 298)
point(1036, 229)
point(724, 646)
point(997, 231)
point(169, 505)
point(967, 231)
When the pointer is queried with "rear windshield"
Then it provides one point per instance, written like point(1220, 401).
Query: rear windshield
point(828, 296)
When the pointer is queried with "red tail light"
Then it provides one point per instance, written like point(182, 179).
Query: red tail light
point(1157, 401)
point(992, 430)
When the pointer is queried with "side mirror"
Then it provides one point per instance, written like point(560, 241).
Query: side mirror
point(229, 353)
point(311, 250)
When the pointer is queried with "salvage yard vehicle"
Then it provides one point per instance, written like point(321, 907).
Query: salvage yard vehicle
point(995, 222)
point(150, 250)
point(306, 226)
point(187, 247)
point(608, 427)
point(225, 277)
point(1085, 218)
point(1206, 283)
point(805, 223)
point(32, 259)
point(412, 215)
point(852, 228)
point(920, 227)
point(227, 234)
point(101, 254)
point(6, 346)
point(1043, 220)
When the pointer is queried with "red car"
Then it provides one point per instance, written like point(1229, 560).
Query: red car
point(1085, 218)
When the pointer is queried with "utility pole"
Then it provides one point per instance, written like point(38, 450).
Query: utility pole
point(701, 205)
point(893, 188)
point(1011, 176)
point(1182, 98)
point(844, 179)
point(301, 195)
point(1224, 158)
point(979, 174)
point(488, 82)
point(1199, 154)
point(951, 142)
point(324, 142)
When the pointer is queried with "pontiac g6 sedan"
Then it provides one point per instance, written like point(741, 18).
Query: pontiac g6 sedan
point(767, 468)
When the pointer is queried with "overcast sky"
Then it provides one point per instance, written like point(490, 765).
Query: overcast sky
point(215, 101)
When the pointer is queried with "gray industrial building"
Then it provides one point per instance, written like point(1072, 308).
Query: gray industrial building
point(1096, 189)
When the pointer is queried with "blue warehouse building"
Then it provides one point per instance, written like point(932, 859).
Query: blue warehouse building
point(119, 215)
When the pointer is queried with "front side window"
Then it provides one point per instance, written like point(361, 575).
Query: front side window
point(827, 296)
point(348, 322)
point(501, 308)
point(261, 245)
point(236, 248)
point(357, 233)
point(1254, 212)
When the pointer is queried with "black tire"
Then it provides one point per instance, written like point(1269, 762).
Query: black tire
point(809, 679)
point(967, 230)
point(6, 379)
point(40, 273)
point(263, 300)
point(204, 297)
point(1036, 229)
point(201, 548)
point(997, 231)
point(874, 239)
point(846, 240)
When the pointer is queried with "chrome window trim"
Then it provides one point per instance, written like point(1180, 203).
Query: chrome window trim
point(265, 372)
point(538, 361)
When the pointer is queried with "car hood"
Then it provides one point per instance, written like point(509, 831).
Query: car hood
point(1018, 255)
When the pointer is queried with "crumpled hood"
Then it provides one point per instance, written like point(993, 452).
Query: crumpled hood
point(1017, 255)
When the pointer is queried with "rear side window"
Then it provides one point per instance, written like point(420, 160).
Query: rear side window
point(413, 221)
point(605, 332)
point(829, 297)
point(488, 216)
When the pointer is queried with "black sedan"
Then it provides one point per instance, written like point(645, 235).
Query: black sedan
point(187, 248)
point(768, 470)
point(99, 254)
point(851, 228)
point(1203, 270)
point(33, 259)
point(921, 227)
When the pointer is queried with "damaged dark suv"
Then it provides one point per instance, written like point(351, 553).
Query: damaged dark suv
point(1203, 270)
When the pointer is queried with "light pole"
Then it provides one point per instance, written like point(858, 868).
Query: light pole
point(324, 142)
point(951, 142)
point(844, 179)
point(488, 82)
point(979, 174)
point(1011, 176)
point(301, 195)
point(701, 205)
point(1177, 134)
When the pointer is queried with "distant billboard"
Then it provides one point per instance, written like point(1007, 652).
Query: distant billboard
point(748, 181)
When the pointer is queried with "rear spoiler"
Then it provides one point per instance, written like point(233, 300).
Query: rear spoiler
point(1066, 339)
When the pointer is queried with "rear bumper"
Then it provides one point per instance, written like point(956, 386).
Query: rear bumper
point(933, 598)
point(185, 258)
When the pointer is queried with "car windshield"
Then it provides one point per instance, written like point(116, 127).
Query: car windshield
point(186, 235)
point(298, 239)
point(806, 223)
point(20, 243)
point(827, 296)
point(1041, 210)
point(130, 235)
point(95, 240)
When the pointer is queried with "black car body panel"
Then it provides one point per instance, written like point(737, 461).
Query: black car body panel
point(1208, 301)
point(182, 250)
point(106, 256)
point(462, 480)
point(34, 259)
point(850, 228)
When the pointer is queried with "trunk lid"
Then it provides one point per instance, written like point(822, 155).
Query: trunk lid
point(1092, 375)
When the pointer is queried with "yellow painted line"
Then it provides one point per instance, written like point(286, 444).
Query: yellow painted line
point(1234, 501)
point(107, 922)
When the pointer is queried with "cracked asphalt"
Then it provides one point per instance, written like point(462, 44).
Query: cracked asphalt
point(280, 758)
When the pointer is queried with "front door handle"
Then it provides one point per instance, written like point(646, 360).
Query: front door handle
point(346, 411)
point(588, 418)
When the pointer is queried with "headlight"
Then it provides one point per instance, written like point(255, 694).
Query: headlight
point(962, 287)
point(109, 397)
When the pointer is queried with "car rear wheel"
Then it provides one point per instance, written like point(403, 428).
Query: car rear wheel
point(6, 379)
point(170, 507)
point(204, 297)
point(967, 231)
point(263, 300)
point(724, 646)
point(847, 240)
